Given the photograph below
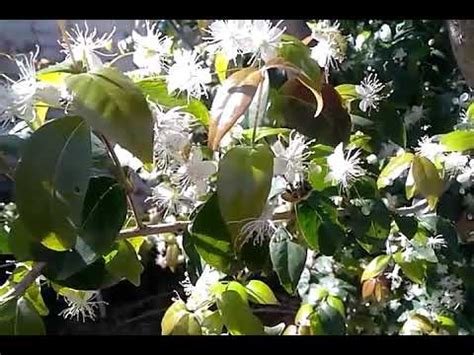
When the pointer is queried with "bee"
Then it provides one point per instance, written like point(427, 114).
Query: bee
point(296, 193)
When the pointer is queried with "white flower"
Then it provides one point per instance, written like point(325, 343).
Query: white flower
point(195, 171)
point(396, 279)
point(263, 40)
point(85, 45)
point(81, 304)
point(290, 161)
point(324, 28)
point(344, 169)
point(228, 36)
point(188, 74)
point(455, 162)
point(436, 242)
point(399, 54)
point(327, 53)
point(465, 178)
point(172, 201)
point(409, 254)
point(413, 116)
point(394, 304)
point(151, 49)
point(261, 228)
point(200, 294)
point(17, 97)
point(385, 33)
point(369, 91)
point(414, 291)
point(126, 158)
point(429, 149)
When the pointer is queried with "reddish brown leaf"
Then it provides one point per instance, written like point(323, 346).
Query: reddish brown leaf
point(232, 100)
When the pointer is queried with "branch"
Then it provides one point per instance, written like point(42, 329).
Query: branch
point(178, 227)
point(19, 289)
point(124, 181)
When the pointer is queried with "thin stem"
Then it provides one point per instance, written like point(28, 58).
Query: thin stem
point(124, 181)
point(20, 288)
point(62, 29)
point(178, 227)
point(120, 57)
point(255, 124)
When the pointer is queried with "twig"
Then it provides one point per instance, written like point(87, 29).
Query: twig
point(20, 288)
point(124, 181)
point(177, 227)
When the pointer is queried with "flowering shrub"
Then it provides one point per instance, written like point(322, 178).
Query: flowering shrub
point(333, 170)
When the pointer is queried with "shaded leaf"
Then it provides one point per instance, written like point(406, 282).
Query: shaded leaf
point(458, 141)
point(375, 267)
point(396, 166)
point(259, 292)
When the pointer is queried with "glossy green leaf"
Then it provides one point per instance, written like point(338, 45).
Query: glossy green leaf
point(317, 221)
point(211, 236)
point(396, 166)
point(263, 132)
point(212, 323)
point(237, 316)
point(33, 295)
point(348, 93)
point(221, 62)
point(458, 141)
point(427, 179)
point(470, 112)
point(259, 292)
point(125, 263)
point(375, 267)
point(52, 178)
point(156, 90)
point(330, 317)
point(28, 321)
point(414, 270)
point(187, 325)
point(288, 259)
point(243, 184)
point(113, 105)
point(172, 316)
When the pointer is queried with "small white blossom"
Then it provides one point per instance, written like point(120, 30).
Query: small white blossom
point(429, 149)
point(436, 242)
point(465, 178)
point(413, 116)
point(195, 171)
point(81, 304)
point(200, 293)
point(369, 91)
point(172, 201)
point(290, 161)
point(260, 229)
point(344, 169)
point(188, 74)
point(84, 46)
point(385, 33)
point(327, 53)
point(263, 40)
point(151, 49)
point(228, 36)
point(455, 162)
point(394, 277)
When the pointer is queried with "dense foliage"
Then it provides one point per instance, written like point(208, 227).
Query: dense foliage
point(331, 172)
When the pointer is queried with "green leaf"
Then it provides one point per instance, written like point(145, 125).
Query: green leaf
point(288, 259)
point(414, 270)
point(330, 317)
point(115, 106)
point(297, 53)
point(27, 320)
point(243, 184)
point(211, 237)
point(157, 91)
point(51, 180)
point(394, 168)
point(187, 325)
point(221, 62)
point(317, 220)
point(263, 132)
point(10, 151)
point(470, 112)
point(348, 92)
point(237, 316)
point(33, 295)
point(458, 141)
point(212, 323)
point(259, 292)
point(172, 316)
point(375, 267)
point(125, 263)
point(427, 179)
